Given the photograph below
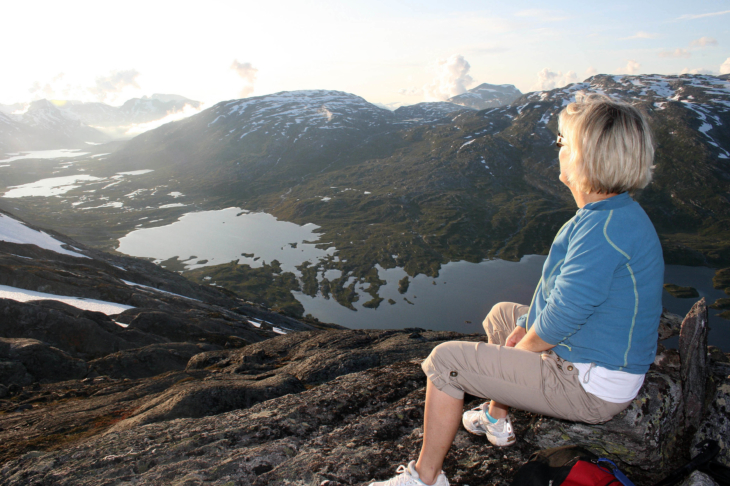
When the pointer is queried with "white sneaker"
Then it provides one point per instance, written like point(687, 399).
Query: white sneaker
point(499, 434)
point(408, 476)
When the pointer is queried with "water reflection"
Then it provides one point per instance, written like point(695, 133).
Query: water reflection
point(464, 293)
point(458, 300)
point(216, 237)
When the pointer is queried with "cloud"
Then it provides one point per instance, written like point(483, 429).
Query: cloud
point(546, 15)
point(695, 71)
point(700, 16)
point(632, 67)
point(171, 116)
point(115, 82)
point(703, 42)
point(676, 53)
point(246, 72)
point(412, 91)
point(547, 79)
point(641, 35)
point(49, 89)
point(482, 50)
point(452, 78)
point(725, 68)
point(591, 71)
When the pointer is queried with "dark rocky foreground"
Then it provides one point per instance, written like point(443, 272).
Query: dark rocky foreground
point(333, 407)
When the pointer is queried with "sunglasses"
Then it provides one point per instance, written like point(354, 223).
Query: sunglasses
point(561, 141)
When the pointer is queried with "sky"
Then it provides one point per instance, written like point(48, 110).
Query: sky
point(392, 52)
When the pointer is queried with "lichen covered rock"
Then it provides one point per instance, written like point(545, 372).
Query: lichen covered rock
point(642, 436)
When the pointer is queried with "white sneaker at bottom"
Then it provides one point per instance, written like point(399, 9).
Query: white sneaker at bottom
point(499, 434)
point(408, 476)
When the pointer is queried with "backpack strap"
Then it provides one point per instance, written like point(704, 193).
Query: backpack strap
point(603, 462)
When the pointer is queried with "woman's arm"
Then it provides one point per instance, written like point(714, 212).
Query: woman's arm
point(532, 342)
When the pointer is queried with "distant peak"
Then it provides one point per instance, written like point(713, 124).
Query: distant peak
point(167, 97)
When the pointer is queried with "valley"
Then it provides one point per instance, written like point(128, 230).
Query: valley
point(412, 189)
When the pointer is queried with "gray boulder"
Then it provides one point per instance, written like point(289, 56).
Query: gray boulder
point(698, 478)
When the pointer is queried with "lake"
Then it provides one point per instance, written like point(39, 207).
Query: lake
point(44, 154)
point(222, 236)
point(458, 299)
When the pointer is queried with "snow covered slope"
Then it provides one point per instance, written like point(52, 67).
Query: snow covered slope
point(292, 113)
point(14, 231)
point(428, 112)
point(487, 96)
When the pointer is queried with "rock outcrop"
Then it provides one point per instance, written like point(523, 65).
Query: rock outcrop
point(693, 364)
point(148, 361)
point(641, 436)
point(336, 407)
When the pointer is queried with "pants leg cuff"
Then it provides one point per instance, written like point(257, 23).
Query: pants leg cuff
point(439, 381)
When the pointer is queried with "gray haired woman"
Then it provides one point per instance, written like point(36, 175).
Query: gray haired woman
point(580, 350)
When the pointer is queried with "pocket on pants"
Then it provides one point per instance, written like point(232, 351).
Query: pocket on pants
point(549, 369)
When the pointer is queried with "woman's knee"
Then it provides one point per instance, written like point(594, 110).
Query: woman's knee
point(493, 323)
point(442, 351)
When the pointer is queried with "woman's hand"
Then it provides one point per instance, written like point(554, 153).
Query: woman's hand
point(515, 337)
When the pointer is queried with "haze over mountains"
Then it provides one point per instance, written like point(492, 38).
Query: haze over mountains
point(414, 188)
point(44, 124)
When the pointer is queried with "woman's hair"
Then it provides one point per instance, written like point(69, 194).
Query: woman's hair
point(611, 146)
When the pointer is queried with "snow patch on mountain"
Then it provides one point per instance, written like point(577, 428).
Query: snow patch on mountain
point(13, 231)
point(23, 295)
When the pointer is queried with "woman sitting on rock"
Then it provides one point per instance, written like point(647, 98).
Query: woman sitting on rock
point(580, 350)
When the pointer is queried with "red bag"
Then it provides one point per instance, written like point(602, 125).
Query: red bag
point(585, 473)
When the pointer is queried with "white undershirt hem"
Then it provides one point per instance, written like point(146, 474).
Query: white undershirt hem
point(609, 385)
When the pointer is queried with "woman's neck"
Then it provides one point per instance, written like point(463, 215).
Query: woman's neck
point(581, 198)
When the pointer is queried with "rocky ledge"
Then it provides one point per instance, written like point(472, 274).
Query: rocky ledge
point(328, 407)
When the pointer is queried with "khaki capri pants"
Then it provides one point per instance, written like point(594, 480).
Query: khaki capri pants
point(536, 382)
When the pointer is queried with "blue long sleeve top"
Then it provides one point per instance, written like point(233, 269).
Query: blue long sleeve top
point(599, 298)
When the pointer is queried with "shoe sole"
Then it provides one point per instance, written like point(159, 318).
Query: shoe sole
point(495, 442)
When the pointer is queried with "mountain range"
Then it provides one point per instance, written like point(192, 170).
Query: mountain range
point(487, 96)
point(413, 188)
point(44, 124)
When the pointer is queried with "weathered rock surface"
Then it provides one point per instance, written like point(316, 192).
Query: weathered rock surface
point(148, 361)
point(348, 431)
point(177, 329)
point(693, 358)
point(287, 364)
point(716, 421)
point(40, 361)
point(316, 407)
point(62, 326)
point(315, 357)
point(211, 396)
